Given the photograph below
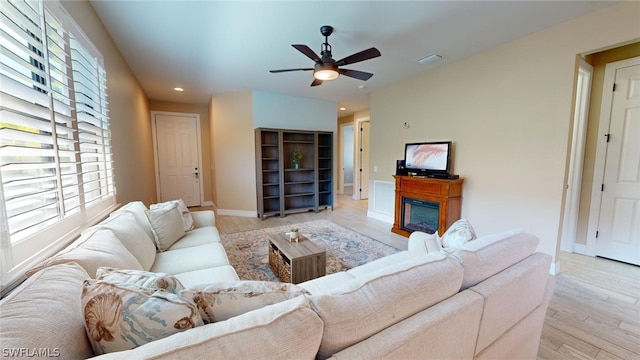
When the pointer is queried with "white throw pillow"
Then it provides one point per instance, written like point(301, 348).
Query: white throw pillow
point(458, 234)
point(122, 316)
point(145, 279)
point(132, 235)
point(224, 300)
point(101, 248)
point(187, 219)
point(166, 224)
point(44, 313)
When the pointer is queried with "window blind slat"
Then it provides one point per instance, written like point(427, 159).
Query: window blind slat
point(55, 160)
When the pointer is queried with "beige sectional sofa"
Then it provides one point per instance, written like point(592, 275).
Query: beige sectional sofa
point(485, 300)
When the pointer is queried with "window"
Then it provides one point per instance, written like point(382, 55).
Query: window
point(56, 167)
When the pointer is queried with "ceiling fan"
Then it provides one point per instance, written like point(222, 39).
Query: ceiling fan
point(326, 68)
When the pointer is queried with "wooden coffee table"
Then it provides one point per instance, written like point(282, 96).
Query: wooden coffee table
point(296, 262)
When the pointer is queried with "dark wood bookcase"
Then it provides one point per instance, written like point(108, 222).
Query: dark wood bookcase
point(283, 188)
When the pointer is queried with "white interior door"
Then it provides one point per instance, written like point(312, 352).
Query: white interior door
point(364, 159)
point(177, 156)
point(619, 224)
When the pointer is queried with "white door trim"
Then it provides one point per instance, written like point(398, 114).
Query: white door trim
point(601, 150)
point(356, 157)
point(155, 148)
point(576, 161)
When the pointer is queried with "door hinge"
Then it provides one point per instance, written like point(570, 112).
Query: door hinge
point(614, 87)
point(602, 187)
point(597, 232)
point(608, 136)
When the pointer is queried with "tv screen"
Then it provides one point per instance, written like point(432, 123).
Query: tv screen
point(428, 157)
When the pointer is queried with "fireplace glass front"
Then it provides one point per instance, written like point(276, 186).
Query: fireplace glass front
point(420, 215)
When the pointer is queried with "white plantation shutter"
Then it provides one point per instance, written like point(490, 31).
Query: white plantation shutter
point(56, 167)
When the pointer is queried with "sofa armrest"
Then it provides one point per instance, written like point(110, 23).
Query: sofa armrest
point(203, 218)
point(423, 242)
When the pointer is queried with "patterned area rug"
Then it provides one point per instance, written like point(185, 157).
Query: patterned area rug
point(248, 250)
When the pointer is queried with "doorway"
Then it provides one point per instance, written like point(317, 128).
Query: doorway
point(576, 161)
point(346, 173)
point(614, 219)
point(177, 148)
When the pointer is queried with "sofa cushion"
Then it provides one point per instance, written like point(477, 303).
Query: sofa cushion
point(208, 275)
point(444, 331)
point(133, 237)
point(44, 312)
point(223, 300)
point(375, 265)
point(199, 257)
point(95, 248)
point(326, 284)
point(166, 224)
point(145, 279)
point(488, 255)
point(458, 234)
point(198, 236)
point(123, 316)
point(287, 330)
point(510, 295)
point(187, 219)
point(371, 303)
point(138, 209)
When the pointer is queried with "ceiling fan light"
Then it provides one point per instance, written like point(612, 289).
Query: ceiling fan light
point(325, 74)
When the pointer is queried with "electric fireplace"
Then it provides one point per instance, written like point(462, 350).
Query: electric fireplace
point(420, 215)
point(426, 204)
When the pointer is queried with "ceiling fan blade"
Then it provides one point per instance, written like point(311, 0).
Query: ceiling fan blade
point(285, 70)
point(308, 52)
point(316, 82)
point(360, 75)
point(361, 56)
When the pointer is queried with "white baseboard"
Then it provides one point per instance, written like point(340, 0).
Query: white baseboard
point(380, 216)
point(244, 213)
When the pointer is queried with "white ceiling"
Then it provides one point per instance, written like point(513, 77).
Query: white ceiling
point(211, 47)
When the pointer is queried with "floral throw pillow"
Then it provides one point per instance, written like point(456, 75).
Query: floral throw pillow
point(123, 316)
point(140, 278)
point(458, 234)
point(223, 300)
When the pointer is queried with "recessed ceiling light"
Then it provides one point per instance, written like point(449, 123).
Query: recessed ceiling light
point(178, 89)
point(343, 108)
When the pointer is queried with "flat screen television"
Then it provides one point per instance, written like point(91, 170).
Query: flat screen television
point(428, 158)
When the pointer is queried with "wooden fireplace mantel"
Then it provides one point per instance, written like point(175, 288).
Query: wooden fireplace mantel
point(447, 193)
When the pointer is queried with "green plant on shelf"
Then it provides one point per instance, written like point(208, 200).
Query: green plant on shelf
point(297, 157)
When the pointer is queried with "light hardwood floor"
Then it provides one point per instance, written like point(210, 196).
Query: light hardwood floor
point(594, 312)
point(347, 212)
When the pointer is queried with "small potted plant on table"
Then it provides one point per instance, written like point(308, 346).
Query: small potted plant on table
point(293, 234)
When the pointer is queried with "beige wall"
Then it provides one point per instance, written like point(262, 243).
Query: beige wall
point(508, 111)
point(233, 153)
point(598, 61)
point(128, 110)
point(205, 134)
